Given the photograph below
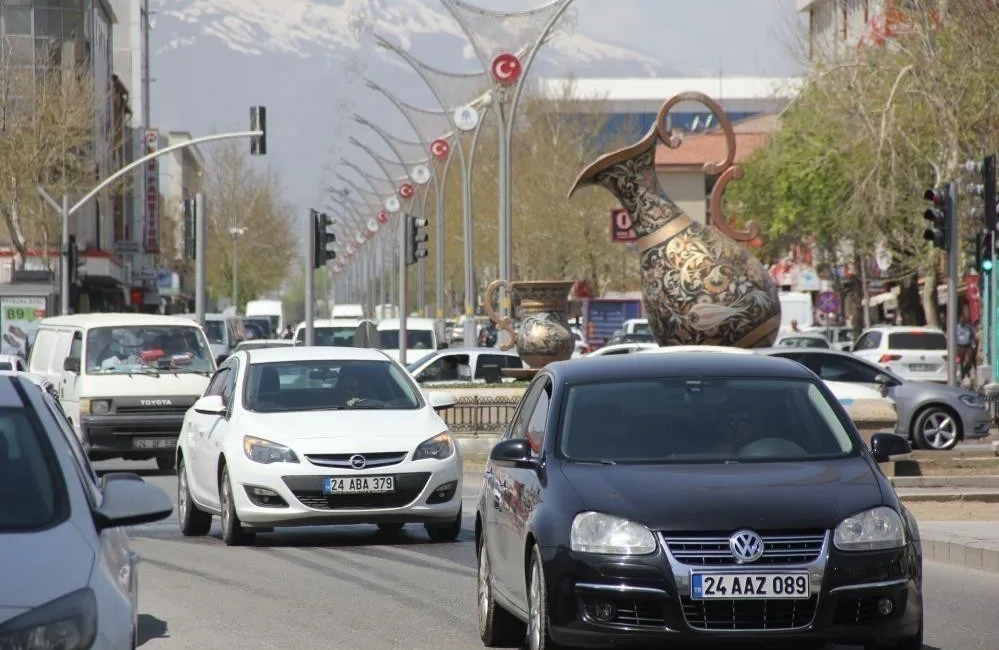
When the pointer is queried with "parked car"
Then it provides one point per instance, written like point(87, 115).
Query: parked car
point(70, 578)
point(459, 365)
point(802, 340)
point(305, 436)
point(689, 499)
point(622, 348)
point(912, 353)
point(933, 416)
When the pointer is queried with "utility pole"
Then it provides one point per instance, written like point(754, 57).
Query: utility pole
point(200, 259)
point(310, 280)
point(952, 272)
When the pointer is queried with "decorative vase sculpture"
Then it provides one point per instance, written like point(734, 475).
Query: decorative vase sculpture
point(699, 286)
point(544, 334)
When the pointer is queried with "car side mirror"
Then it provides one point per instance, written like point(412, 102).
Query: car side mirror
point(515, 452)
point(118, 476)
point(130, 503)
point(211, 405)
point(886, 445)
point(884, 382)
point(71, 364)
point(441, 401)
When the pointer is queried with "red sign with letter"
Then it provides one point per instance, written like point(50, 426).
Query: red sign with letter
point(152, 195)
point(622, 229)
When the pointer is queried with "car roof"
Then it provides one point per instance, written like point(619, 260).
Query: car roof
point(313, 353)
point(902, 329)
point(115, 319)
point(334, 322)
point(680, 364)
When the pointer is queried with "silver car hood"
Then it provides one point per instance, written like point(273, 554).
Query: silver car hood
point(40, 567)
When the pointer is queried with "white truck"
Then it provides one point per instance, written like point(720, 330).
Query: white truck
point(273, 310)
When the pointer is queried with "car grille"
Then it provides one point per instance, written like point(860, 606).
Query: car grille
point(309, 491)
point(151, 410)
point(863, 610)
point(713, 550)
point(342, 461)
point(767, 614)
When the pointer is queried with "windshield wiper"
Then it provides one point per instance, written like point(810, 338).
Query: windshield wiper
point(366, 407)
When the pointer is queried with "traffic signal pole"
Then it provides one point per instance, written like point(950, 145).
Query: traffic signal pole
point(310, 280)
point(952, 273)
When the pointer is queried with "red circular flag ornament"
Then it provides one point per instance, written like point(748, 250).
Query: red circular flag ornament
point(383, 217)
point(506, 69)
point(406, 191)
point(440, 149)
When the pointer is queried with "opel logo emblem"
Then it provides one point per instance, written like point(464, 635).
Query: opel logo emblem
point(357, 462)
point(746, 546)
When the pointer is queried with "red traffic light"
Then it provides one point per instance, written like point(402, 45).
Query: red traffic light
point(935, 195)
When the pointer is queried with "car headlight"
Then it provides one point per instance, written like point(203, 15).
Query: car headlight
point(264, 451)
point(67, 623)
point(95, 406)
point(439, 447)
point(974, 401)
point(595, 532)
point(871, 530)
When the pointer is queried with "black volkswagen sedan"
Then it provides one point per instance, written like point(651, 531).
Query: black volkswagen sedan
point(688, 498)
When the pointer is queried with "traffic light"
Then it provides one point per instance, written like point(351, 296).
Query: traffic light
point(258, 122)
point(416, 239)
point(74, 263)
point(939, 215)
point(190, 232)
point(323, 239)
point(989, 192)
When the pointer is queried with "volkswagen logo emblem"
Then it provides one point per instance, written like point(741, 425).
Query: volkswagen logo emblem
point(746, 546)
point(357, 462)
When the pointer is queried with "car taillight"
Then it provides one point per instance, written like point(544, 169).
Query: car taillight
point(885, 358)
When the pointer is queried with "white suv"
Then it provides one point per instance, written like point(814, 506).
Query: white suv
point(913, 353)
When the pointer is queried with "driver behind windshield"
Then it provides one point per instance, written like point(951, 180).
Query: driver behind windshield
point(102, 348)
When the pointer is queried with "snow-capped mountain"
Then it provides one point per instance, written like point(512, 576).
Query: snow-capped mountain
point(306, 60)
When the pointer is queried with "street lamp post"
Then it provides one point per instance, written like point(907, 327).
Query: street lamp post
point(235, 233)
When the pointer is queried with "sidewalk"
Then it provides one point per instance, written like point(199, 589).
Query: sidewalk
point(967, 544)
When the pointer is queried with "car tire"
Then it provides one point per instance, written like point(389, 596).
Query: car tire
point(233, 533)
point(447, 532)
point(498, 628)
point(167, 462)
point(538, 629)
point(390, 529)
point(936, 419)
point(193, 521)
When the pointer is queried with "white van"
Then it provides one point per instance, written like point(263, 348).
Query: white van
point(125, 380)
point(273, 310)
point(423, 335)
point(354, 311)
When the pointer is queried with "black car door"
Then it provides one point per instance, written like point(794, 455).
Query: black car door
point(494, 502)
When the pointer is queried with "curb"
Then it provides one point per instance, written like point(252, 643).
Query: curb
point(944, 497)
point(967, 556)
point(950, 482)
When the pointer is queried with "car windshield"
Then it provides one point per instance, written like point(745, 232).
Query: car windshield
point(282, 387)
point(682, 420)
point(803, 342)
point(215, 331)
point(415, 339)
point(412, 367)
point(920, 340)
point(641, 328)
point(31, 495)
point(147, 349)
point(337, 337)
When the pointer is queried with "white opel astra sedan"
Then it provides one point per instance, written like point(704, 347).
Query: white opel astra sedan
point(306, 436)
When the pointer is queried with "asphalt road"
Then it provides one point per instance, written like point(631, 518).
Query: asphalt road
point(351, 589)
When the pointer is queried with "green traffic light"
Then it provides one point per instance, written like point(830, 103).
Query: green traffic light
point(986, 265)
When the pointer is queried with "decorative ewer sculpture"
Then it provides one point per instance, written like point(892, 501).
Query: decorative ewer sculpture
point(699, 286)
point(543, 312)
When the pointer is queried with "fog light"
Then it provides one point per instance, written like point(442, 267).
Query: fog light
point(604, 611)
point(885, 606)
point(443, 492)
point(264, 497)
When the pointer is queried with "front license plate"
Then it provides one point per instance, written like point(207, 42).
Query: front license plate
point(729, 586)
point(359, 485)
point(154, 443)
point(922, 367)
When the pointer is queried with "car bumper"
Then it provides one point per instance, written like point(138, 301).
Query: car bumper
point(975, 423)
point(131, 434)
point(426, 491)
point(652, 604)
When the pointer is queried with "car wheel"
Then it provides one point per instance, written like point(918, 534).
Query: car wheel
point(193, 522)
point(166, 462)
point(446, 533)
point(390, 529)
point(936, 428)
point(538, 637)
point(498, 628)
point(233, 533)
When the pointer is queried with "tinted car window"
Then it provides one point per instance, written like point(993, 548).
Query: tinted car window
point(5, 366)
point(917, 341)
point(31, 491)
point(339, 337)
point(327, 385)
point(415, 339)
point(701, 420)
point(215, 331)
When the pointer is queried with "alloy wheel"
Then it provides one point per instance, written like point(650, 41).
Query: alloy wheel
point(484, 595)
point(226, 506)
point(534, 623)
point(939, 430)
point(182, 495)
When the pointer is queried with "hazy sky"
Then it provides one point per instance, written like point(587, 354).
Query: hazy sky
point(740, 37)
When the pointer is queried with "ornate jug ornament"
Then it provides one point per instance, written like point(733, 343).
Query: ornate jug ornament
point(544, 334)
point(699, 286)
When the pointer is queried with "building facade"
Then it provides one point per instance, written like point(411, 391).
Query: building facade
point(837, 28)
point(181, 177)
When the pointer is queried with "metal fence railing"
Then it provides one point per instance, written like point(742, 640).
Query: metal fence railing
point(480, 415)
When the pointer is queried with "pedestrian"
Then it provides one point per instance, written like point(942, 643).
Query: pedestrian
point(288, 333)
point(964, 336)
point(794, 325)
